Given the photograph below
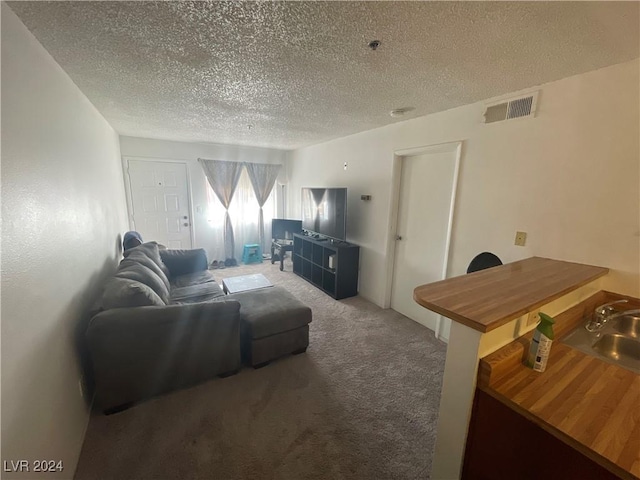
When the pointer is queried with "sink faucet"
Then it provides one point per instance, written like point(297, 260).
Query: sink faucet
point(605, 313)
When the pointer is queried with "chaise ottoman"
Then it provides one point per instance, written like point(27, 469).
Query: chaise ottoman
point(273, 323)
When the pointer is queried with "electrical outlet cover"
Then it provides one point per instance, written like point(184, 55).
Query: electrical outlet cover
point(533, 318)
point(521, 239)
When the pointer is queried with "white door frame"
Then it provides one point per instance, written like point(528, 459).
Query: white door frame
point(127, 188)
point(396, 177)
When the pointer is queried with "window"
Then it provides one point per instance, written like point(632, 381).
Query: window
point(244, 211)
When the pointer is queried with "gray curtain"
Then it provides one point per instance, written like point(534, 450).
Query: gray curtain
point(263, 177)
point(223, 178)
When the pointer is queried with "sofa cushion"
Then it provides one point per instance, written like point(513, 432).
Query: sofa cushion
point(140, 257)
point(124, 292)
point(152, 251)
point(196, 293)
point(144, 274)
point(195, 278)
point(181, 262)
point(269, 311)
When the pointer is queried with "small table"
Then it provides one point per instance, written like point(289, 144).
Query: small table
point(280, 247)
point(244, 283)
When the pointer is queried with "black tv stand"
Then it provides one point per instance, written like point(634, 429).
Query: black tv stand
point(313, 259)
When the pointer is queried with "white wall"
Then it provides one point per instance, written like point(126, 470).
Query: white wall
point(63, 209)
point(150, 149)
point(568, 177)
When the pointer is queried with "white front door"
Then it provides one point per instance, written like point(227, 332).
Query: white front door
point(427, 187)
point(160, 202)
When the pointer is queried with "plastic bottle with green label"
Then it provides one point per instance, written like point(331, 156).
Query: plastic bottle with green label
point(541, 344)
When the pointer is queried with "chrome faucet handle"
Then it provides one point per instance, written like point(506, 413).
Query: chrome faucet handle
point(607, 308)
point(601, 315)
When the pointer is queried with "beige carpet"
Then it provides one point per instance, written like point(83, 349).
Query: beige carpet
point(361, 403)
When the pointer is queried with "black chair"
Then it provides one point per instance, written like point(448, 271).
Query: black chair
point(482, 261)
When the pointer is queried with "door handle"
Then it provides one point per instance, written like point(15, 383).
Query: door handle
point(185, 217)
point(398, 237)
point(186, 224)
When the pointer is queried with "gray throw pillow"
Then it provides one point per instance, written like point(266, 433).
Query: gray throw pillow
point(152, 250)
point(123, 293)
point(141, 257)
point(143, 274)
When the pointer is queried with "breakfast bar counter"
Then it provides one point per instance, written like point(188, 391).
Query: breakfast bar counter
point(488, 299)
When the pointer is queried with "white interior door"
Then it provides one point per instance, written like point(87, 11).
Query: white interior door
point(425, 213)
point(160, 202)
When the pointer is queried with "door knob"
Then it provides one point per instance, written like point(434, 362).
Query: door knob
point(185, 217)
point(185, 224)
point(398, 237)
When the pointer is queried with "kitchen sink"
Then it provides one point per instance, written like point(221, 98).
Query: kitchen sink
point(616, 346)
point(618, 342)
point(628, 325)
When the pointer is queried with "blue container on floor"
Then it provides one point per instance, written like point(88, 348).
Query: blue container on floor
point(252, 253)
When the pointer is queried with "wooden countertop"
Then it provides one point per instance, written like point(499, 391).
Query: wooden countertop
point(490, 298)
point(587, 403)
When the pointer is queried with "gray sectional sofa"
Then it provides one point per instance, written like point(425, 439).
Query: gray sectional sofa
point(165, 323)
point(159, 328)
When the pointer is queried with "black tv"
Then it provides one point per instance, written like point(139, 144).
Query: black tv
point(283, 229)
point(324, 212)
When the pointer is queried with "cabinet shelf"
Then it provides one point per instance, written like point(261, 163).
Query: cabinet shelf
point(311, 260)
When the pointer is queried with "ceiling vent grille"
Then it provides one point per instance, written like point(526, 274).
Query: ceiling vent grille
point(507, 109)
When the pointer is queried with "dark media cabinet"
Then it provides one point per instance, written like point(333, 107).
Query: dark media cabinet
point(311, 261)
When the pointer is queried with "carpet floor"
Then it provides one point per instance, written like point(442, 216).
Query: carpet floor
point(361, 403)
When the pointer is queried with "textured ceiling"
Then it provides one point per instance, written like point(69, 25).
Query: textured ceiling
point(301, 72)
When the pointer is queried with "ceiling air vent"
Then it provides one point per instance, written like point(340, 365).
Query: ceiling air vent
point(508, 109)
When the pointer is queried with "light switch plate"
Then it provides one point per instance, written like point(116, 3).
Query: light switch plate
point(521, 239)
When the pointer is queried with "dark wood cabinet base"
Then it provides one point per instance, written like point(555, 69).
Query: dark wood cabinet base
point(503, 444)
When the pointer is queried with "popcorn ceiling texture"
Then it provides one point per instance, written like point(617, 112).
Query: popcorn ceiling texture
point(301, 72)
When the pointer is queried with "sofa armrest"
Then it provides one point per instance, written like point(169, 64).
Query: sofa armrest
point(142, 351)
point(181, 262)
